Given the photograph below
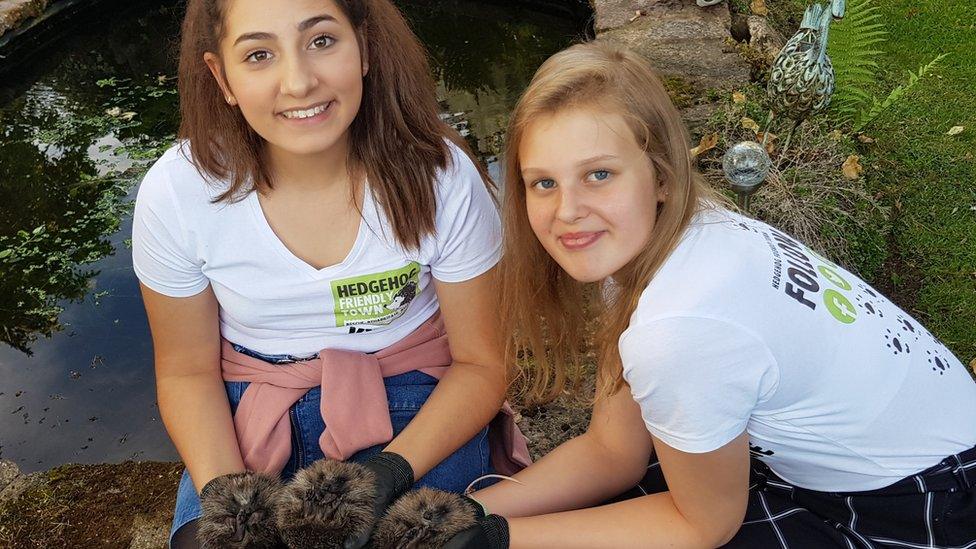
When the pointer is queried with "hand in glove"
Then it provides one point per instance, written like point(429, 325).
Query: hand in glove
point(238, 512)
point(332, 504)
point(491, 532)
point(425, 519)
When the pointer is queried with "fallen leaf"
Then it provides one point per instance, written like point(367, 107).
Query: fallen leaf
point(835, 135)
point(770, 139)
point(852, 167)
point(864, 139)
point(127, 116)
point(749, 124)
point(738, 98)
point(758, 7)
point(972, 365)
point(114, 111)
point(955, 130)
point(707, 143)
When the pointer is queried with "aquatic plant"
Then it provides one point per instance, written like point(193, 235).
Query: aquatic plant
point(67, 174)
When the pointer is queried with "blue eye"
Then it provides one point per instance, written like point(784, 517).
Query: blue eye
point(322, 41)
point(599, 175)
point(544, 184)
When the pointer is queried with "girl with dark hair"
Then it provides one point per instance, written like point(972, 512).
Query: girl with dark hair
point(314, 254)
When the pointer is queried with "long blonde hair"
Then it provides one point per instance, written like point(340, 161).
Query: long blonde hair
point(545, 311)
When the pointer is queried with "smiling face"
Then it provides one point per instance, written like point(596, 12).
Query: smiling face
point(294, 69)
point(591, 191)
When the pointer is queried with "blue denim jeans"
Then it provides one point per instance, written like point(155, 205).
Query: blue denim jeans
point(406, 393)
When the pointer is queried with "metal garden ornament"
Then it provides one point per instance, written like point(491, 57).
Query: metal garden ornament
point(802, 78)
point(800, 85)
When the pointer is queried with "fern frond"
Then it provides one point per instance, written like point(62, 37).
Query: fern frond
point(854, 53)
point(879, 106)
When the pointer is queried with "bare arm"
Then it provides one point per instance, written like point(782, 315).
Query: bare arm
point(704, 508)
point(608, 459)
point(473, 389)
point(190, 390)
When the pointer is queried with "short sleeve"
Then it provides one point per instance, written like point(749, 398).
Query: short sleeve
point(468, 228)
point(160, 256)
point(697, 380)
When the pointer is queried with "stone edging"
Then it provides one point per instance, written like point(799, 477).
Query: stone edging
point(678, 37)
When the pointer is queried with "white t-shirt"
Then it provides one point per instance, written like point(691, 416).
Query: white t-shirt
point(745, 329)
point(273, 302)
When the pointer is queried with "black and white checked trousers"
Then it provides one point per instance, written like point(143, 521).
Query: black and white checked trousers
point(935, 508)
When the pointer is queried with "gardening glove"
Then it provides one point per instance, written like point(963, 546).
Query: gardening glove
point(394, 477)
point(491, 532)
point(426, 518)
point(238, 512)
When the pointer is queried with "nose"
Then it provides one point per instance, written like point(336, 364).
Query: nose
point(297, 78)
point(572, 205)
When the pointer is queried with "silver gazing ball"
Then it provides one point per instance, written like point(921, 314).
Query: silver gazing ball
point(746, 165)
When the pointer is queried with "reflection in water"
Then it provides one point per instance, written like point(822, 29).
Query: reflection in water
point(77, 132)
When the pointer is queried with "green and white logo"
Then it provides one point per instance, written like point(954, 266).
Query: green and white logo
point(839, 306)
point(378, 298)
point(832, 275)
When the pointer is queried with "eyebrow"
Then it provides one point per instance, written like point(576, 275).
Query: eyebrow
point(585, 162)
point(302, 27)
point(597, 158)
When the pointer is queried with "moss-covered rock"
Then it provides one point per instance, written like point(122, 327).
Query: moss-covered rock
point(124, 506)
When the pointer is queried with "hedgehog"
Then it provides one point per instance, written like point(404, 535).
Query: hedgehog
point(326, 503)
point(424, 519)
point(404, 296)
point(238, 512)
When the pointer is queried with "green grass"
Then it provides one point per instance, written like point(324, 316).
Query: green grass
point(927, 176)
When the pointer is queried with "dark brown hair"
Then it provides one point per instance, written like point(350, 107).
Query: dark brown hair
point(397, 138)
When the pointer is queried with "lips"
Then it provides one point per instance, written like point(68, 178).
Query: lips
point(580, 240)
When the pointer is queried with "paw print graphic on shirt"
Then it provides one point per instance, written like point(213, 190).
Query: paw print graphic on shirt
point(865, 304)
point(896, 342)
point(938, 362)
point(868, 305)
point(908, 327)
point(742, 226)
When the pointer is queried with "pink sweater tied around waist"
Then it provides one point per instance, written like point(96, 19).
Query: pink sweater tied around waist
point(353, 406)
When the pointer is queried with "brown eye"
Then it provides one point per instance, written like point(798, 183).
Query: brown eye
point(322, 41)
point(258, 56)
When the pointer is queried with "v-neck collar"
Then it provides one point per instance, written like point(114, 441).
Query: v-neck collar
point(264, 227)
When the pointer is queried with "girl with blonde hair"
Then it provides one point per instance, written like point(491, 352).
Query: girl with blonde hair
point(780, 400)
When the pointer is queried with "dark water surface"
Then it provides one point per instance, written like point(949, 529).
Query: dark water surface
point(78, 124)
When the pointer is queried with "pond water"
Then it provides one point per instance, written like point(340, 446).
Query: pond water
point(79, 124)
